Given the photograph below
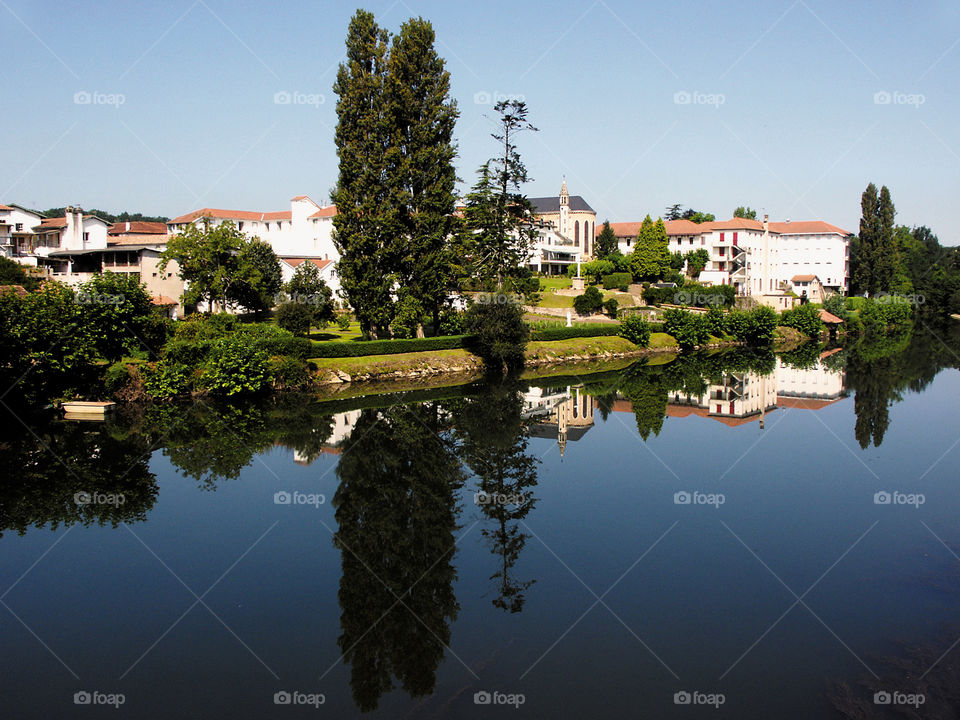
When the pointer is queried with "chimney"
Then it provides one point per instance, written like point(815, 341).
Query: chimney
point(766, 222)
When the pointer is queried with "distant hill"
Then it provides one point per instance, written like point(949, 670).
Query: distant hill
point(109, 217)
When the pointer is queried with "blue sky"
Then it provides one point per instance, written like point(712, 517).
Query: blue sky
point(781, 115)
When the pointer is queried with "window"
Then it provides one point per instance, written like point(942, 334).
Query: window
point(576, 233)
point(86, 236)
point(240, 225)
point(723, 251)
point(734, 238)
point(721, 237)
point(19, 227)
point(266, 226)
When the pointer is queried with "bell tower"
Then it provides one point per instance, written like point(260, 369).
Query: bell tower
point(564, 210)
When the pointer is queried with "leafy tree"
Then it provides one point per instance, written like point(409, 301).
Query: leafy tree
point(308, 289)
point(500, 334)
point(206, 255)
point(698, 216)
point(606, 241)
point(259, 277)
point(696, 261)
point(235, 367)
point(297, 317)
point(498, 216)
point(745, 212)
point(674, 212)
point(611, 306)
point(805, 318)
point(421, 116)
point(635, 329)
point(368, 230)
point(689, 329)
point(116, 310)
point(875, 258)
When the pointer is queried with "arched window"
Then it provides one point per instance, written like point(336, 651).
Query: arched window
point(576, 233)
point(586, 237)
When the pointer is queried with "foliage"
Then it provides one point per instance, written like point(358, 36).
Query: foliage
point(636, 330)
point(689, 329)
point(116, 311)
point(499, 333)
point(235, 366)
point(451, 322)
point(754, 327)
point(409, 317)
point(591, 301)
point(617, 280)
point(716, 321)
point(289, 373)
point(259, 276)
point(386, 347)
point(745, 212)
point(596, 269)
point(576, 331)
point(696, 261)
point(295, 317)
point(343, 321)
point(13, 273)
point(611, 306)
point(307, 287)
point(650, 258)
point(606, 241)
point(804, 318)
point(875, 256)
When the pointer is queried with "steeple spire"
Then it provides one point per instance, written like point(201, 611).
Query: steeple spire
point(564, 195)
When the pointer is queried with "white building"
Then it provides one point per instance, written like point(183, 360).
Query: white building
point(36, 243)
point(759, 258)
point(304, 231)
point(16, 230)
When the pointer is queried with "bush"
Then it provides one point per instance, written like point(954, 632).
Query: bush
point(716, 321)
point(289, 373)
point(635, 329)
point(185, 352)
point(363, 348)
point(294, 317)
point(451, 323)
point(689, 329)
point(595, 269)
point(167, 379)
point(234, 367)
point(116, 378)
point(756, 327)
point(618, 280)
point(610, 307)
point(577, 331)
point(805, 319)
point(343, 321)
point(590, 302)
point(499, 333)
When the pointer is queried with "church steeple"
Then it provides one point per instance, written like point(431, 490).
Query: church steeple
point(564, 195)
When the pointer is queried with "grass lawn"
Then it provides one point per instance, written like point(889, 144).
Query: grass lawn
point(395, 361)
point(542, 349)
point(332, 332)
point(662, 340)
point(555, 281)
point(551, 300)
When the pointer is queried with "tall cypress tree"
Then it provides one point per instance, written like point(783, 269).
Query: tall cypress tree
point(366, 225)
point(863, 278)
point(420, 168)
point(885, 259)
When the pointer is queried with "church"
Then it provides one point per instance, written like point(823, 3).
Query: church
point(571, 217)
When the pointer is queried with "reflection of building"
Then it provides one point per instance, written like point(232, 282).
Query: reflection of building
point(569, 418)
point(808, 388)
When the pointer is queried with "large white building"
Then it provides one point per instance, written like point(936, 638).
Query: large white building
point(760, 258)
point(305, 232)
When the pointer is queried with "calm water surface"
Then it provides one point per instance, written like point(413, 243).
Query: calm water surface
point(583, 546)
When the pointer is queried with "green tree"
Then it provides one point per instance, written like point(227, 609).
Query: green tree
point(368, 231)
point(13, 273)
point(500, 334)
point(207, 258)
point(419, 158)
point(697, 216)
point(875, 256)
point(745, 212)
point(606, 241)
point(307, 288)
point(696, 261)
point(650, 258)
point(259, 277)
point(116, 314)
point(674, 212)
point(498, 216)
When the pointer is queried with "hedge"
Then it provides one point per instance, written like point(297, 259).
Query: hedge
point(616, 280)
point(359, 348)
point(577, 331)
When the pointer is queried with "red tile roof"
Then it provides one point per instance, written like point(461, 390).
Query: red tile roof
point(218, 214)
point(295, 261)
point(138, 226)
point(5, 207)
point(674, 227)
point(733, 224)
point(136, 239)
point(807, 227)
point(18, 290)
point(803, 278)
point(326, 212)
point(829, 318)
point(162, 300)
point(54, 222)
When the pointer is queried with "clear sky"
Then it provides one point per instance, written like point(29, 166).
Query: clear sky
point(639, 104)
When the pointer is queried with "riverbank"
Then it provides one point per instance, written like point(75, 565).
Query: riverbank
point(460, 366)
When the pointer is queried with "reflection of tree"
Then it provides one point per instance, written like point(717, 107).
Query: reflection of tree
point(494, 439)
point(644, 388)
point(396, 512)
point(47, 467)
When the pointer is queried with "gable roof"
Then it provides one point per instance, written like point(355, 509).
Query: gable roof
point(296, 261)
point(141, 227)
point(733, 224)
point(551, 204)
point(674, 227)
point(803, 278)
point(326, 212)
point(807, 227)
point(218, 214)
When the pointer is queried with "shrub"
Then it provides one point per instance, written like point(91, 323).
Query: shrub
point(235, 366)
point(343, 321)
point(384, 347)
point(451, 322)
point(716, 321)
point(289, 373)
point(635, 329)
point(577, 331)
point(589, 302)
point(294, 317)
point(499, 333)
point(185, 352)
point(115, 378)
point(618, 280)
point(595, 269)
point(689, 329)
point(755, 327)
point(167, 379)
point(805, 319)
point(610, 307)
